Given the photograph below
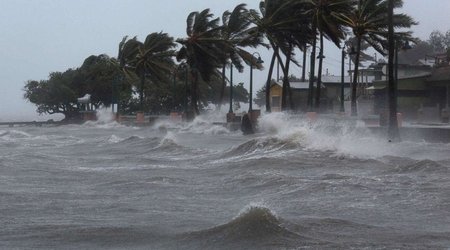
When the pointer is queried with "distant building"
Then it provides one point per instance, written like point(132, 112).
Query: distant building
point(421, 90)
point(330, 93)
point(299, 95)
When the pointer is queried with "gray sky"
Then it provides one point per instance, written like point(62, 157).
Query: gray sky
point(41, 36)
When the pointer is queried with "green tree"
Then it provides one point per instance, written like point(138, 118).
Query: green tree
point(203, 50)
point(236, 33)
point(97, 76)
point(325, 18)
point(55, 95)
point(439, 41)
point(285, 27)
point(151, 60)
point(369, 22)
point(100, 76)
point(260, 96)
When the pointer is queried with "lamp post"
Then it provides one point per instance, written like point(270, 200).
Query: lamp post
point(258, 61)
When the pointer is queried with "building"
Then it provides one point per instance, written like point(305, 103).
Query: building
point(423, 93)
point(299, 94)
point(330, 93)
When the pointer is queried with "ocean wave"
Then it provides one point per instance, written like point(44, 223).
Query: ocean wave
point(205, 125)
point(342, 136)
point(168, 142)
point(113, 139)
point(261, 145)
point(256, 227)
point(103, 124)
point(14, 134)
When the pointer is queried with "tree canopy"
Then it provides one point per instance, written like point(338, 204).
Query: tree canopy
point(97, 76)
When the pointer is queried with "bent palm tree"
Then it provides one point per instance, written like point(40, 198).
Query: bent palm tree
point(203, 50)
point(369, 22)
point(325, 18)
point(236, 35)
point(151, 59)
point(285, 27)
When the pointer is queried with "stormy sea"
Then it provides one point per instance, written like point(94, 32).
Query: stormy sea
point(292, 185)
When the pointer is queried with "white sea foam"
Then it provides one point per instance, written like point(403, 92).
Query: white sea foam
point(261, 204)
point(12, 135)
point(205, 124)
point(114, 139)
point(169, 138)
point(343, 136)
point(105, 120)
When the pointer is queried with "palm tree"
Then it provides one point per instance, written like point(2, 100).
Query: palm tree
point(203, 50)
point(236, 35)
point(151, 59)
point(369, 22)
point(325, 19)
point(285, 27)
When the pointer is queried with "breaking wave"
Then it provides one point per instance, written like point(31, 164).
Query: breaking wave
point(256, 226)
point(344, 137)
point(14, 134)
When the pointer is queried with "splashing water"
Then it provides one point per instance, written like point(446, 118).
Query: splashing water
point(343, 137)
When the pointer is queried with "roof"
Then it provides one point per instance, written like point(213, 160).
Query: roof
point(420, 75)
point(298, 84)
point(347, 79)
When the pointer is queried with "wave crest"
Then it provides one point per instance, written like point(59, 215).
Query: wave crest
point(264, 145)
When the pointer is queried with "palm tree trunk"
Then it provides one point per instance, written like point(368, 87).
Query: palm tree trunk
point(222, 90)
point(291, 100)
point(312, 69)
point(393, 131)
point(269, 80)
point(286, 85)
point(141, 93)
point(305, 50)
point(355, 78)
point(319, 74)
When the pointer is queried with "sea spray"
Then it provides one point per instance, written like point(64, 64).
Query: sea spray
point(208, 124)
point(105, 120)
point(342, 136)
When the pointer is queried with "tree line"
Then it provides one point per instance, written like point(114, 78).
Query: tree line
point(190, 72)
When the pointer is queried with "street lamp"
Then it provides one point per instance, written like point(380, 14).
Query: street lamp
point(258, 61)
